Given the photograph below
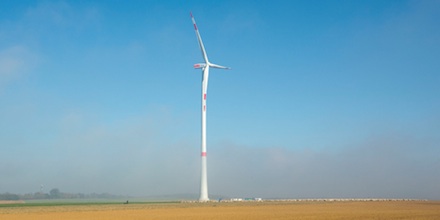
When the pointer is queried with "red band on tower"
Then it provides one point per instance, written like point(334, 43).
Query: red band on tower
point(203, 154)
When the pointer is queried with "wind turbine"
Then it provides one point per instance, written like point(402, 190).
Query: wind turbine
point(205, 69)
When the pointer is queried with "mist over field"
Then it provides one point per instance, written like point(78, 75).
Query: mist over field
point(133, 158)
point(324, 99)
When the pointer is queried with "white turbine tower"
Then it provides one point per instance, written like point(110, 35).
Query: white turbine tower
point(205, 69)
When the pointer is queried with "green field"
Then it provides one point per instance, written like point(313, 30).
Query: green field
point(79, 202)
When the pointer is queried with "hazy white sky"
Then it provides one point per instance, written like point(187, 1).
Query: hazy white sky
point(325, 98)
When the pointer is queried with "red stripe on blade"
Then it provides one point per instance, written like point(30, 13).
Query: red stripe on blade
point(203, 154)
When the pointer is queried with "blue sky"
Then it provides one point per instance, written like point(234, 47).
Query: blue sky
point(324, 99)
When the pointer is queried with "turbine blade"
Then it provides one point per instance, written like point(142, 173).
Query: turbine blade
point(205, 79)
point(199, 39)
point(218, 66)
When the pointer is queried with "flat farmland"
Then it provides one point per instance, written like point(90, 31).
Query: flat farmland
point(236, 210)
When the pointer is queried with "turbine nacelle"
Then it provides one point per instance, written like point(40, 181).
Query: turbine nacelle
point(203, 65)
point(199, 65)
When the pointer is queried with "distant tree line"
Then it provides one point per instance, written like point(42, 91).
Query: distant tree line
point(56, 194)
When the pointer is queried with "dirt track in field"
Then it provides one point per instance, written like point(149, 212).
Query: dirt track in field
point(245, 210)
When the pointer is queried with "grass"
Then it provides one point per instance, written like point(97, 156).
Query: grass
point(78, 202)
